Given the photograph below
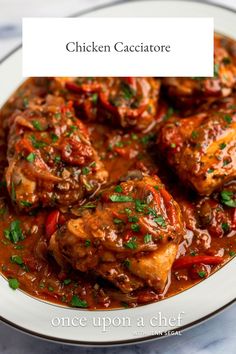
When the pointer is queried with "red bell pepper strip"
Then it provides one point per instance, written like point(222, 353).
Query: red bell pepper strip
point(87, 88)
point(52, 222)
point(188, 261)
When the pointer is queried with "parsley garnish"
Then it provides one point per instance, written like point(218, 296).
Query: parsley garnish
point(135, 227)
point(168, 114)
point(225, 226)
point(120, 198)
point(194, 134)
point(13, 283)
point(118, 189)
point(133, 219)
point(147, 238)
point(131, 244)
point(128, 91)
point(17, 259)
point(25, 203)
point(31, 157)
point(160, 221)
point(202, 274)
point(117, 221)
point(14, 233)
point(227, 198)
point(77, 302)
point(85, 170)
point(216, 70)
point(87, 243)
point(126, 263)
point(222, 146)
point(37, 125)
point(54, 137)
point(228, 118)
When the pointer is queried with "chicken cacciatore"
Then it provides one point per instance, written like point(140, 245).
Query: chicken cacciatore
point(118, 192)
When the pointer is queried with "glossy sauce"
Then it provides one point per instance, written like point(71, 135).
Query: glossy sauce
point(28, 261)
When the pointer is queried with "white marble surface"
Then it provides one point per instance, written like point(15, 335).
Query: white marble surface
point(218, 335)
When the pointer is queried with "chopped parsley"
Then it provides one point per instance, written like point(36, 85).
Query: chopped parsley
point(228, 118)
point(147, 238)
point(128, 211)
point(14, 233)
point(232, 253)
point(126, 263)
point(193, 253)
point(77, 302)
point(57, 159)
point(134, 136)
point(226, 162)
point(140, 206)
point(118, 189)
point(57, 115)
point(216, 70)
point(202, 274)
point(37, 143)
point(54, 137)
point(37, 125)
point(17, 259)
point(133, 219)
point(194, 134)
point(13, 283)
point(31, 157)
point(94, 98)
point(120, 198)
point(227, 198)
point(160, 221)
point(87, 243)
point(225, 226)
point(2, 211)
point(67, 281)
point(88, 205)
point(72, 129)
point(25, 102)
point(168, 114)
point(145, 139)
point(135, 227)
point(85, 170)
point(25, 203)
point(131, 244)
point(222, 146)
point(117, 221)
point(127, 90)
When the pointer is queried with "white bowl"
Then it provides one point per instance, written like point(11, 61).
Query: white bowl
point(124, 326)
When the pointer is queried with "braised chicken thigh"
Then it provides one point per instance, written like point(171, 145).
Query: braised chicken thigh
point(127, 102)
point(130, 239)
point(51, 160)
point(202, 148)
point(192, 91)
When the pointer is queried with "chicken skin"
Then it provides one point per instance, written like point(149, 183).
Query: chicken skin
point(192, 91)
point(51, 160)
point(127, 102)
point(130, 238)
point(202, 148)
